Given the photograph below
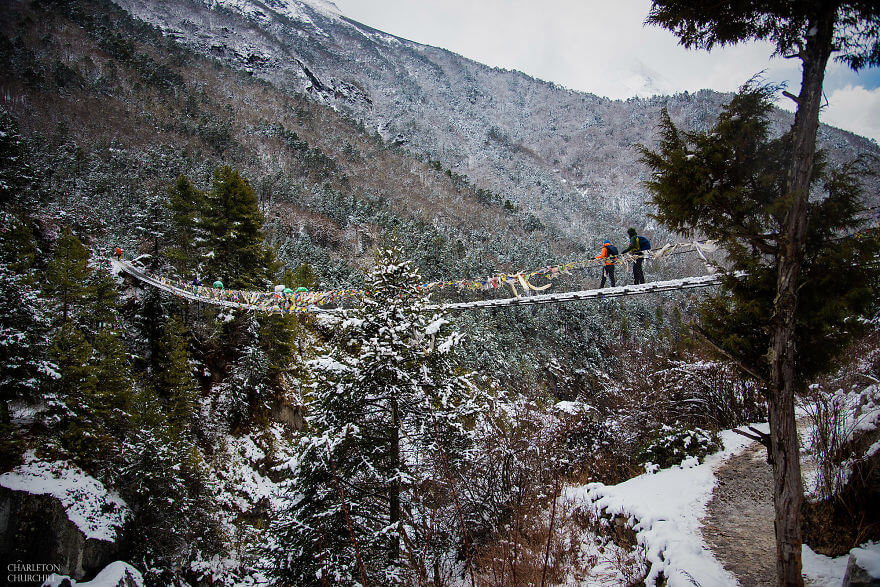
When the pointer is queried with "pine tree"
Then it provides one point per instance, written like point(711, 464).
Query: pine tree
point(234, 237)
point(24, 320)
point(387, 409)
point(16, 170)
point(71, 353)
point(100, 303)
point(186, 204)
point(730, 184)
point(304, 276)
point(164, 480)
point(100, 414)
point(174, 378)
point(67, 275)
point(246, 392)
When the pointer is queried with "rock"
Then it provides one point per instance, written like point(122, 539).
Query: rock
point(857, 575)
point(35, 529)
point(117, 574)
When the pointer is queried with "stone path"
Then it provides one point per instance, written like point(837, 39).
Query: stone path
point(738, 525)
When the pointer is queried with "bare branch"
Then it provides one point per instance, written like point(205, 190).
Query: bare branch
point(751, 371)
point(791, 96)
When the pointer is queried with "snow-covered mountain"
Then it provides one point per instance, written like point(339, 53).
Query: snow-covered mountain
point(568, 156)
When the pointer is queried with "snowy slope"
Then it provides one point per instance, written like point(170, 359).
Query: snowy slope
point(665, 509)
point(97, 512)
point(569, 157)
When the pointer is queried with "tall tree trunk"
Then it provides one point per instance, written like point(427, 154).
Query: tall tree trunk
point(394, 489)
point(784, 379)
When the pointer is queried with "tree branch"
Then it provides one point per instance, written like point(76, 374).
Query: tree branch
point(751, 371)
point(792, 97)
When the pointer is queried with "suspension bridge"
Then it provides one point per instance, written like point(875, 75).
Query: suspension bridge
point(282, 302)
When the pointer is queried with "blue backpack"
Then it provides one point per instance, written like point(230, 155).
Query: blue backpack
point(612, 250)
point(644, 244)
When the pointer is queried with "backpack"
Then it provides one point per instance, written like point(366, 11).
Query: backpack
point(644, 244)
point(612, 250)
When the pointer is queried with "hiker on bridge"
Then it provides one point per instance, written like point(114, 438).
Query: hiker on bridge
point(637, 244)
point(118, 254)
point(609, 253)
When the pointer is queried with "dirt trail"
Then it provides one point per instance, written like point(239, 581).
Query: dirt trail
point(738, 525)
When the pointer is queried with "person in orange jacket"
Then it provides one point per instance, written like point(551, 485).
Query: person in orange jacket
point(609, 253)
point(118, 253)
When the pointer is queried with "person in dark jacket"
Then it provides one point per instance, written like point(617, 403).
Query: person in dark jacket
point(636, 249)
point(609, 253)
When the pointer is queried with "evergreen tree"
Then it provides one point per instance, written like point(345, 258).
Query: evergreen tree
point(234, 237)
point(71, 353)
point(164, 480)
point(174, 378)
point(729, 184)
point(24, 321)
point(66, 277)
point(387, 409)
point(100, 305)
point(811, 32)
point(246, 393)
point(16, 171)
point(304, 276)
point(186, 204)
point(100, 416)
point(278, 334)
point(154, 229)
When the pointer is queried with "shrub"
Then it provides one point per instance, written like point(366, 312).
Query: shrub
point(673, 444)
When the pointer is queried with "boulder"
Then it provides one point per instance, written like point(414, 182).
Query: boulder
point(35, 530)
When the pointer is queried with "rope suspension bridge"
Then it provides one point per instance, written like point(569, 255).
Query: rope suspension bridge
point(283, 302)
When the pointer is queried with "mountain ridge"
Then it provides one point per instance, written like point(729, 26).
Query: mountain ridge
point(570, 157)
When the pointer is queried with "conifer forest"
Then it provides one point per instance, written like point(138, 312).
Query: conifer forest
point(286, 300)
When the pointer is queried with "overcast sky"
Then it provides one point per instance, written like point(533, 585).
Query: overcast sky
point(602, 47)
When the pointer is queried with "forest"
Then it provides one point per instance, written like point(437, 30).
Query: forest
point(390, 443)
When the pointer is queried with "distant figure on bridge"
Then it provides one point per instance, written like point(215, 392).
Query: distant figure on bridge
point(196, 281)
point(609, 253)
point(637, 244)
point(118, 253)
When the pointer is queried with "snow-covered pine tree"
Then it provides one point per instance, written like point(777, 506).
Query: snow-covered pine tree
point(163, 478)
point(174, 376)
point(185, 203)
point(385, 433)
point(246, 390)
point(234, 236)
point(66, 277)
point(24, 324)
point(100, 411)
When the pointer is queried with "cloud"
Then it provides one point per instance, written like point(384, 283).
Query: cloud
point(604, 48)
point(856, 109)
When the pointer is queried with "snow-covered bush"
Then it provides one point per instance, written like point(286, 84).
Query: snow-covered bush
point(673, 444)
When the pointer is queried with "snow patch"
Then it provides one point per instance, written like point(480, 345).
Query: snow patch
point(819, 569)
point(666, 508)
point(113, 575)
point(868, 557)
point(97, 512)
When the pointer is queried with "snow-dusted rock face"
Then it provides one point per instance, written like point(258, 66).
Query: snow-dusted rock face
point(570, 157)
point(53, 512)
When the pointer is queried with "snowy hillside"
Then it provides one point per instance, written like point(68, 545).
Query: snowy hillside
point(568, 156)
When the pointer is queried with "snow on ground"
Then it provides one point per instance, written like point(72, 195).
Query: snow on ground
point(665, 508)
point(820, 570)
point(96, 511)
point(113, 575)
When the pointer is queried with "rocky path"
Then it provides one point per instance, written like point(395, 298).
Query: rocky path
point(738, 525)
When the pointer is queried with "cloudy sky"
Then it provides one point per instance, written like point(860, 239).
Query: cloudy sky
point(602, 47)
